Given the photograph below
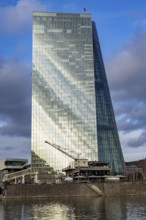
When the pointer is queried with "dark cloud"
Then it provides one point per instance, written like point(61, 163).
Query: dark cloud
point(126, 73)
point(15, 98)
point(130, 116)
point(126, 69)
point(137, 142)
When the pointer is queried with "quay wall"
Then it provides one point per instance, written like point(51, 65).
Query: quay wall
point(45, 190)
point(136, 188)
point(79, 189)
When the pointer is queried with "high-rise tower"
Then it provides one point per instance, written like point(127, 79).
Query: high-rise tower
point(71, 104)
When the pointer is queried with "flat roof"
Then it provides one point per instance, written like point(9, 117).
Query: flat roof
point(46, 13)
point(13, 159)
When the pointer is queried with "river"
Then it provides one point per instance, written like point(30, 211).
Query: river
point(82, 208)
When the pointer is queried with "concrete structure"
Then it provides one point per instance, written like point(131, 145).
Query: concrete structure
point(71, 104)
point(91, 171)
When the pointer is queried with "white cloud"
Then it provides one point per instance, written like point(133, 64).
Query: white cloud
point(18, 18)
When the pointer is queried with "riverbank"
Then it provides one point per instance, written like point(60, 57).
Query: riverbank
point(137, 188)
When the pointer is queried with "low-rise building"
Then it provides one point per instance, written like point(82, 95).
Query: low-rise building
point(11, 165)
point(136, 169)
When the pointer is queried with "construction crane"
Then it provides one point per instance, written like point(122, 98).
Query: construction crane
point(77, 162)
point(60, 149)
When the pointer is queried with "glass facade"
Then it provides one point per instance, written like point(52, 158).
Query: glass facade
point(63, 89)
point(71, 105)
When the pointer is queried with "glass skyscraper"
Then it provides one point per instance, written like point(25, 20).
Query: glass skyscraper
point(71, 104)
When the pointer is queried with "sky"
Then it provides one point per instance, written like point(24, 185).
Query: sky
point(121, 27)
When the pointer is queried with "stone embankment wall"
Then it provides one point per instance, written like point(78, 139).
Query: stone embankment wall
point(44, 190)
point(80, 189)
point(137, 188)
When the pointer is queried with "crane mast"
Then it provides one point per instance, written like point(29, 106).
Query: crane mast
point(84, 6)
point(60, 149)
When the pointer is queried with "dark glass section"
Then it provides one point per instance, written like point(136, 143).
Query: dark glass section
point(109, 148)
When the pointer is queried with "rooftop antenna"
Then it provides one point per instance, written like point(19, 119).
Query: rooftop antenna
point(84, 6)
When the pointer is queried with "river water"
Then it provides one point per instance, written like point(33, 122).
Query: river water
point(82, 208)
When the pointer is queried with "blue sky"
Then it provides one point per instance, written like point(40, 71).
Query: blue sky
point(121, 28)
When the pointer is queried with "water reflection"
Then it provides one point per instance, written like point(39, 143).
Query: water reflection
point(119, 208)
